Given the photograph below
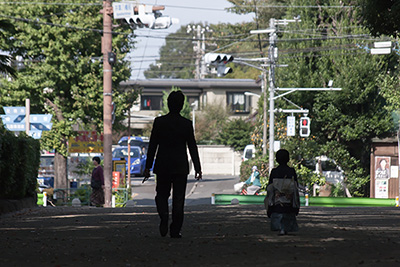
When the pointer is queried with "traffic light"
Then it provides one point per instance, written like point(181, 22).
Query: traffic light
point(141, 16)
point(304, 126)
point(219, 61)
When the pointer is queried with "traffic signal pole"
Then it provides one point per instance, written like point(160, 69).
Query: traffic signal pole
point(272, 63)
point(106, 45)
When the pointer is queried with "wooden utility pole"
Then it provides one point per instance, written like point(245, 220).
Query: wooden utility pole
point(106, 47)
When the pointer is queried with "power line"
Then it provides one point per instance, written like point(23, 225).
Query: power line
point(51, 4)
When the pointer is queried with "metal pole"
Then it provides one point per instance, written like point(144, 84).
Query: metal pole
point(107, 99)
point(264, 85)
point(272, 39)
point(27, 115)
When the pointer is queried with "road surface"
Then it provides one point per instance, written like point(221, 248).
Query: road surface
point(197, 192)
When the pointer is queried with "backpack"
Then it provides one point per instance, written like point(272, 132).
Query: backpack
point(284, 192)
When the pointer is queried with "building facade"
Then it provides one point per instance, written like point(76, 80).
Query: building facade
point(227, 92)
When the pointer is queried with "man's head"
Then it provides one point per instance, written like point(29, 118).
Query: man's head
point(176, 100)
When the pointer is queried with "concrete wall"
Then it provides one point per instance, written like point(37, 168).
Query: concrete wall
point(218, 159)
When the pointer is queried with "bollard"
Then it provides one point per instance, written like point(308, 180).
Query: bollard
point(397, 201)
point(44, 199)
point(306, 200)
point(212, 199)
point(113, 201)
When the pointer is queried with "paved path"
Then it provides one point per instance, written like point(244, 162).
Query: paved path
point(212, 236)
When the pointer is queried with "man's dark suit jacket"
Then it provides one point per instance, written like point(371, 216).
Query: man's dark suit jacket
point(169, 137)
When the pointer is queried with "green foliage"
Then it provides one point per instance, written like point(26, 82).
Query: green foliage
point(176, 58)
point(62, 72)
point(121, 197)
point(19, 165)
point(343, 123)
point(83, 193)
point(307, 177)
point(5, 60)
point(209, 122)
point(85, 168)
point(185, 112)
point(381, 17)
point(236, 134)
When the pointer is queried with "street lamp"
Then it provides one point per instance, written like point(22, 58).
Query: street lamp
point(251, 94)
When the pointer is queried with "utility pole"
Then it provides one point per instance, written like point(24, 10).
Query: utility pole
point(106, 48)
point(199, 47)
point(271, 78)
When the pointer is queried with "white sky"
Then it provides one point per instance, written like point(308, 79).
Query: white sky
point(187, 11)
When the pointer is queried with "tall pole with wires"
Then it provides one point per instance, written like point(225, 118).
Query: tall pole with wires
point(106, 47)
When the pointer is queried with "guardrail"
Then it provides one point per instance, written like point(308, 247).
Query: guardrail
point(226, 199)
point(65, 196)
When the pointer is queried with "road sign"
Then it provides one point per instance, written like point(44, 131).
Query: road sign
point(12, 118)
point(380, 51)
point(291, 126)
point(41, 126)
point(35, 134)
point(14, 110)
point(15, 127)
point(40, 118)
point(14, 121)
point(123, 10)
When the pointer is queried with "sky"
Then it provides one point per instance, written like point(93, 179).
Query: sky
point(188, 11)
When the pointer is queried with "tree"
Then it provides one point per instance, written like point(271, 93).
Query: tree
point(209, 122)
point(236, 133)
point(61, 48)
point(382, 17)
point(177, 59)
point(5, 60)
point(344, 122)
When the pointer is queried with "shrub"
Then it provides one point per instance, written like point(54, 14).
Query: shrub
point(19, 165)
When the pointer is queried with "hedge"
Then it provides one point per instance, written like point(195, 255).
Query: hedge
point(19, 165)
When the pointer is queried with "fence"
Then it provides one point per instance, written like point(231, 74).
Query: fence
point(64, 197)
point(226, 199)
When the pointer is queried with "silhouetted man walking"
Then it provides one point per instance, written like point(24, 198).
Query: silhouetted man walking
point(170, 135)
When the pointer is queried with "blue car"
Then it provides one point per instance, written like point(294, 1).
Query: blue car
point(138, 159)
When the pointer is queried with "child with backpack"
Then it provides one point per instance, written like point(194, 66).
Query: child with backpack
point(283, 201)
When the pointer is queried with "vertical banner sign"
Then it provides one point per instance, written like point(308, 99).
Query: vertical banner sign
point(382, 176)
point(291, 126)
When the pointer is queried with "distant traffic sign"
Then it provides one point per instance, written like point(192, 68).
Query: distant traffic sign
point(14, 121)
point(14, 110)
point(123, 10)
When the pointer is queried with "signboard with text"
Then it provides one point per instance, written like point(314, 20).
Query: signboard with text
point(86, 142)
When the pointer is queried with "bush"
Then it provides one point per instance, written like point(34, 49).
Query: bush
point(19, 165)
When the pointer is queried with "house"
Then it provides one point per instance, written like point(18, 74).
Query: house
point(229, 92)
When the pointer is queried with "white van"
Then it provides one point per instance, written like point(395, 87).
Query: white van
point(249, 152)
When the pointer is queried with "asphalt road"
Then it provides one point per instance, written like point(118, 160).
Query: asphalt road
point(233, 235)
point(197, 192)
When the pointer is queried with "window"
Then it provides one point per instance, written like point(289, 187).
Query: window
point(238, 102)
point(151, 102)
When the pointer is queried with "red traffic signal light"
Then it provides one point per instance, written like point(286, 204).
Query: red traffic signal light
point(304, 126)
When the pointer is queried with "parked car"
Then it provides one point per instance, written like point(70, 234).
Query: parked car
point(138, 159)
point(249, 152)
point(330, 170)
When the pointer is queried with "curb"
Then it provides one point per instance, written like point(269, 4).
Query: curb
point(12, 205)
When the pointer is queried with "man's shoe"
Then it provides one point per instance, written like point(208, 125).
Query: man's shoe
point(163, 227)
point(178, 235)
point(282, 232)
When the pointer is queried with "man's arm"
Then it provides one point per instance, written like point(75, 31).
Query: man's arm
point(151, 152)
point(194, 154)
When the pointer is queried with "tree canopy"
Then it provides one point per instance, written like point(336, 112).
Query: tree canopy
point(62, 75)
